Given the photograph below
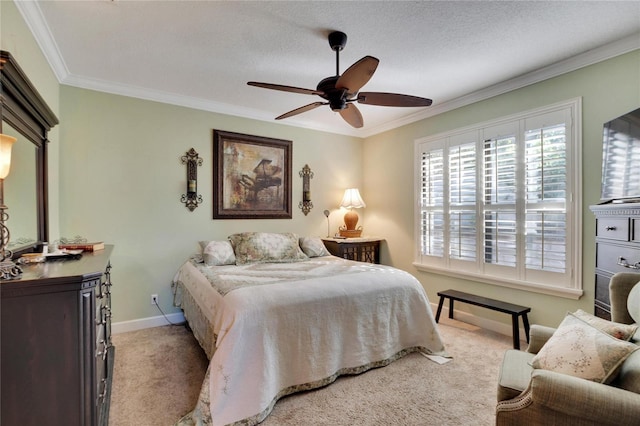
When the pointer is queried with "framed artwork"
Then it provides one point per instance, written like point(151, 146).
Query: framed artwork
point(251, 177)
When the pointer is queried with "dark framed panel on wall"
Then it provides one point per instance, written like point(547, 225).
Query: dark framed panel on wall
point(251, 177)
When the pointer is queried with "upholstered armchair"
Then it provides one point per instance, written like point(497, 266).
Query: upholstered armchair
point(539, 396)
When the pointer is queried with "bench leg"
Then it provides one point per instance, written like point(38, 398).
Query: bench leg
point(516, 331)
point(439, 308)
point(451, 308)
point(525, 321)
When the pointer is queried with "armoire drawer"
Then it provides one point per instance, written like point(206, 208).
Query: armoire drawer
point(602, 311)
point(613, 258)
point(613, 228)
point(602, 289)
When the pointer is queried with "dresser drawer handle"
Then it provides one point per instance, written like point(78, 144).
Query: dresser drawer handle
point(107, 312)
point(106, 350)
point(611, 228)
point(106, 345)
point(103, 394)
point(623, 262)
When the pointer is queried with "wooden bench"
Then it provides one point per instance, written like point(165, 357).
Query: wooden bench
point(496, 305)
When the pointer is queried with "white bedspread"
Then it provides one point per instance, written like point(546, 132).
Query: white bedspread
point(282, 328)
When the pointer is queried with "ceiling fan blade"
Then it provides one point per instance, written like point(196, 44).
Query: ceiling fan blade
point(300, 110)
point(392, 99)
point(284, 88)
point(358, 74)
point(351, 115)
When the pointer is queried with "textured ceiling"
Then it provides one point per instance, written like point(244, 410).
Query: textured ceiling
point(202, 53)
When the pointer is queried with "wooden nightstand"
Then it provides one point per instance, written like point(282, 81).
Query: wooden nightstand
point(365, 249)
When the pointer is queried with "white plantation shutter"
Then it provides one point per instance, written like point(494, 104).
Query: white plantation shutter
point(462, 201)
point(546, 194)
point(499, 161)
point(498, 201)
point(432, 198)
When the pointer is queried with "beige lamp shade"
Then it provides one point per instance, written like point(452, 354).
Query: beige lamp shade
point(6, 142)
point(351, 200)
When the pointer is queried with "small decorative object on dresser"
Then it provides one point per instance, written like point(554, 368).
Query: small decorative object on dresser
point(365, 249)
point(56, 351)
point(617, 248)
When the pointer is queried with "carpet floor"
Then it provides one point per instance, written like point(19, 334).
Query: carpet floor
point(158, 373)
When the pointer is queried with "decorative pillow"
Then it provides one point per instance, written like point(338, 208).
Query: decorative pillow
point(580, 350)
point(265, 247)
point(313, 247)
point(615, 329)
point(216, 253)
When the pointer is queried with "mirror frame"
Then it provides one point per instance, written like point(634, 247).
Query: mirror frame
point(26, 111)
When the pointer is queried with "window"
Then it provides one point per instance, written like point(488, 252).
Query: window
point(500, 202)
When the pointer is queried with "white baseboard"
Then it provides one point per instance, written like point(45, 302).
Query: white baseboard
point(139, 324)
point(485, 323)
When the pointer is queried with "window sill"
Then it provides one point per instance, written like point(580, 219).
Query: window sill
point(569, 293)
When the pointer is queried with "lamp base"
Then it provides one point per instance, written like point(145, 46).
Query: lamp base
point(350, 233)
point(9, 270)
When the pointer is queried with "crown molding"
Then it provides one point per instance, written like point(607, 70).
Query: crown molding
point(34, 19)
point(602, 53)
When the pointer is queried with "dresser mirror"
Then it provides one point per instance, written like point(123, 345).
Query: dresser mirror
point(27, 117)
point(20, 192)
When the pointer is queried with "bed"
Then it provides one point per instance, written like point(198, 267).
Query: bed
point(276, 314)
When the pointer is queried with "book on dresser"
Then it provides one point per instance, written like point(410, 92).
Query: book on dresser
point(83, 246)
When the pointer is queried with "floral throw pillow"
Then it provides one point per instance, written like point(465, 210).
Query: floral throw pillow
point(615, 329)
point(217, 253)
point(266, 247)
point(578, 349)
point(313, 247)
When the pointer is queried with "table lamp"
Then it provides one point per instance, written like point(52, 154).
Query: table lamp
point(351, 200)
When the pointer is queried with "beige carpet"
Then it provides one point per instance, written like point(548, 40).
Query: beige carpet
point(159, 371)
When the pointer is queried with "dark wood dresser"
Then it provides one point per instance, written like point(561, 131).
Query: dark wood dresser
point(56, 354)
point(617, 248)
point(360, 249)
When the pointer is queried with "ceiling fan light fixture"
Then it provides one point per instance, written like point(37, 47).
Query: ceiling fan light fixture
point(337, 104)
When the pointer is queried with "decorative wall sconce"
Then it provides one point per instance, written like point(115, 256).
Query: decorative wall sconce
point(306, 205)
point(191, 199)
point(8, 269)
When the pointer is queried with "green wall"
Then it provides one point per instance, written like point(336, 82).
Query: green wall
point(608, 89)
point(121, 180)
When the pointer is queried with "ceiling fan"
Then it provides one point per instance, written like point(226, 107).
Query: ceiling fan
point(341, 91)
